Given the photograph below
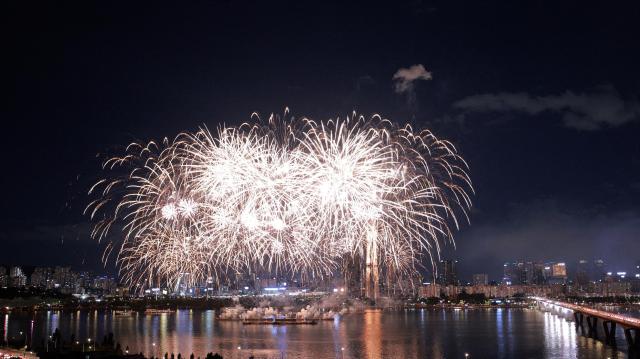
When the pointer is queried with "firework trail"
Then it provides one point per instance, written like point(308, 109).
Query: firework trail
point(284, 195)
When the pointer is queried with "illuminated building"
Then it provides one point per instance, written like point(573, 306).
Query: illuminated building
point(582, 273)
point(42, 277)
point(598, 270)
point(481, 279)
point(447, 274)
point(511, 274)
point(17, 278)
point(4, 279)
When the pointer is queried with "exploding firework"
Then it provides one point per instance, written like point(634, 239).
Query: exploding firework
point(284, 195)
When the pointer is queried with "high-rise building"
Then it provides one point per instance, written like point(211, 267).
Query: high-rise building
point(480, 279)
point(104, 284)
point(521, 272)
point(511, 274)
point(531, 273)
point(598, 270)
point(557, 273)
point(64, 279)
point(447, 274)
point(559, 270)
point(42, 277)
point(17, 278)
point(582, 273)
point(4, 278)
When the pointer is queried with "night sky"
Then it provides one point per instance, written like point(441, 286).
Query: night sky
point(540, 99)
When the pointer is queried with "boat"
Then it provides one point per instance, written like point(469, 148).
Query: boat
point(279, 321)
point(158, 311)
point(122, 313)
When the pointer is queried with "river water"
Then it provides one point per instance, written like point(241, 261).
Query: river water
point(427, 333)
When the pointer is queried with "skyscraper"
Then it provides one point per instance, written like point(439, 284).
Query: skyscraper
point(448, 275)
point(480, 279)
point(41, 277)
point(17, 277)
point(4, 279)
point(582, 273)
point(531, 273)
point(598, 270)
point(511, 273)
point(558, 273)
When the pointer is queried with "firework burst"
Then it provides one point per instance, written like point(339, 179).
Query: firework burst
point(285, 195)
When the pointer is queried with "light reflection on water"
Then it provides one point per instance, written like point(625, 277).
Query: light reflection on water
point(495, 333)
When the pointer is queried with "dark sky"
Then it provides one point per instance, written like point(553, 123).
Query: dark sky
point(541, 98)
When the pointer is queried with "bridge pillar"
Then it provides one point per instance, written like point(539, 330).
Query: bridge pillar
point(609, 332)
point(579, 321)
point(592, 322)
point(633, 339)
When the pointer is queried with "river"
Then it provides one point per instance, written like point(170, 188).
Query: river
point(426, 333)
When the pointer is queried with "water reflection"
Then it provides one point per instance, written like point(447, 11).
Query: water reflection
point(419, 333)
point(372, 334)
point(5, 328)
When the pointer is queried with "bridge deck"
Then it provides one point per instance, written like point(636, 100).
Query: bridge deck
point(624, 320)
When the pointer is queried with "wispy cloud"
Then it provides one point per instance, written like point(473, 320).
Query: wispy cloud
point(583, 111)
point(552, 230)
point(405, 78)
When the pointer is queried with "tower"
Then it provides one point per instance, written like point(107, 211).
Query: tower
point(371, 271)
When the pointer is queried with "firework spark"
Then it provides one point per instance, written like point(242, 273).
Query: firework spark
point(288, 195)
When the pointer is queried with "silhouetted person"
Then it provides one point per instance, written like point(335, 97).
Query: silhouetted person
point(57, 338)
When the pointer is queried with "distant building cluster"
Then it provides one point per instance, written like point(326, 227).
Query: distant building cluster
point(588, 278)
point(59, 278)
point(537, 273)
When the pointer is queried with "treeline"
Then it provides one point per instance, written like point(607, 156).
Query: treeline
point(30, 292)
point(476, 298)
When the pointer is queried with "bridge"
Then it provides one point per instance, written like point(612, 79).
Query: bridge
point(629, 325)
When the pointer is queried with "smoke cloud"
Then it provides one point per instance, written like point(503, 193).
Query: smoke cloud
point(404, 79)
point(581, 111)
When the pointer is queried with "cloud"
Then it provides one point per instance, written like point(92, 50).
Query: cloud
point(581, 111)
point(549, 230)
point(404, 78)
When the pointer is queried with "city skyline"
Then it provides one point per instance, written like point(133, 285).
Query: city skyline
point(593, 270)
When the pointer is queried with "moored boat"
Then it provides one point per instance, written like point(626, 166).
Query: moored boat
point(279, 321)
point(158, 311)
